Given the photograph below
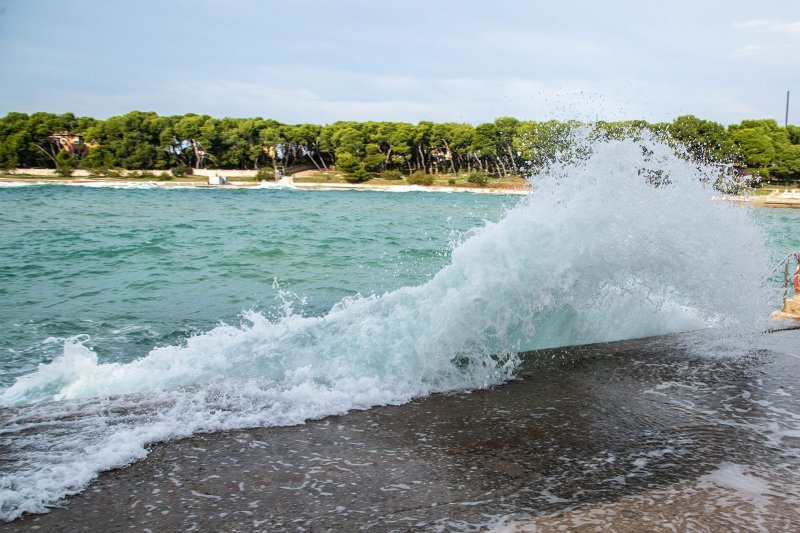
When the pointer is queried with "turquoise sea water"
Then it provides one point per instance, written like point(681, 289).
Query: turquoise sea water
point(134, 269)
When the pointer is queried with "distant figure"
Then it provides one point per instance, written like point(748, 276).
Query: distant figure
point(796, 276)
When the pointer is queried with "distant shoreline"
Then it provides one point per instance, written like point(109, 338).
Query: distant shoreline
point(782, 199)
point(284, 183)
point(777, 198)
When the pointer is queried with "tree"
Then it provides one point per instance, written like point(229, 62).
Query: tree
point(351, 167)
point(65, 164)
point(270, 139)
point(539, 143)
point(144, 140)
point(759, 142)
point(704, 140)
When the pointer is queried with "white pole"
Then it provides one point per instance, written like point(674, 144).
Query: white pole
point(786, 118)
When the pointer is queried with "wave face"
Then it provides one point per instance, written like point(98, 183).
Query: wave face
point(596, 253)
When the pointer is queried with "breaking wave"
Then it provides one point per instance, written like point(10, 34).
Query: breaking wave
point(599, 251)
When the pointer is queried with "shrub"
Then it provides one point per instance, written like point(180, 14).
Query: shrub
point(65, 164)
point(477, 178)
point(97, 172)
point(265, 174)
point(353, 169)
point(391, 175)
point(181, 170)
point(420, 178)
point(358, 175)
point(147, 175)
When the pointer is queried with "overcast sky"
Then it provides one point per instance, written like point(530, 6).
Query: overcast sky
point(459, 60)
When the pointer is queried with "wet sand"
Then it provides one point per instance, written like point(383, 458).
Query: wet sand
point(644, 435)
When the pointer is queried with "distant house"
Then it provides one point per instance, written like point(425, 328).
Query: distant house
point(72, 143)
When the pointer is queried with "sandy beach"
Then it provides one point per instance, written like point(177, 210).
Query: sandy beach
point(776, 198)
point(283, 183)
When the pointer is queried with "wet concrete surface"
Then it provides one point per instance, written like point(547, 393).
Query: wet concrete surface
point(580, 428)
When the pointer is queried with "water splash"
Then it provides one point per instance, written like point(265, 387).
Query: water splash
point(600, 251)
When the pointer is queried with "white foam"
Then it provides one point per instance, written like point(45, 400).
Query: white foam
point(744, 483)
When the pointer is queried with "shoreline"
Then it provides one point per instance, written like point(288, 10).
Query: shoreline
point(776, 199)
point(284, 183)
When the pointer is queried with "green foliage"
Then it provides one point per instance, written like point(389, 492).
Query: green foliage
point(265, 174)
point(477, 178)
point(420, 178)
point(505, 147)
point(539, 143)
point(98, 159)
point(358, 176)
point(181, 171)
point(704, 140)
point(352, 167)
point(347, 163)
point(65, 164)
point(391, 175)
point(767, 149)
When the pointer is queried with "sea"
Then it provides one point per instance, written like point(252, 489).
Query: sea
point(136, 316)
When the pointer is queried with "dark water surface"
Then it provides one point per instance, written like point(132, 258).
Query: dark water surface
point(581, 427)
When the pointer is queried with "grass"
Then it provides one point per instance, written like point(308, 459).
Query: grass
point(439, 180)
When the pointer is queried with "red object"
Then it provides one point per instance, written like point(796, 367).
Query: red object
point(797, 275)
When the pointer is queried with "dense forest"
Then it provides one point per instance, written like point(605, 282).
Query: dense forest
point(507, 146)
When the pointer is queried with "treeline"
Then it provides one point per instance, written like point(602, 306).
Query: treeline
point(144, 140)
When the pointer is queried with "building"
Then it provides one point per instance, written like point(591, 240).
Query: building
point(72, 143)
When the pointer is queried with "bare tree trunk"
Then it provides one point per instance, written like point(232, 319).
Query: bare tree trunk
point(321, 157)
point(503, 166)
point(311, 157)
point(449, 155)
point(47, 153)
point(196, 154)
point(511, 155)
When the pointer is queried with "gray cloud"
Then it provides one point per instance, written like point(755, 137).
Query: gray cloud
point(445, 60)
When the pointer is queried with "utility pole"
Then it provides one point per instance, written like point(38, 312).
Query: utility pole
point(786, 118)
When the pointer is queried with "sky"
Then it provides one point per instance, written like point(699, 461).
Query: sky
point(439, 60)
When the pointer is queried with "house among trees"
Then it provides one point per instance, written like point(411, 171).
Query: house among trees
point(72, 143)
